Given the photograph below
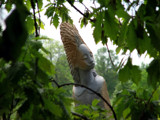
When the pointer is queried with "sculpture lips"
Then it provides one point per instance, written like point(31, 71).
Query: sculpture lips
point(92, 65)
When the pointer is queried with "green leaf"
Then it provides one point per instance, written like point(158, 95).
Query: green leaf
point(15, 34)
point(40, 4)
point(53, 108)
point(123, 32)
point(124, 74)
point(95, 102)
point(8, 6)
point(131, 37)
point(16, 72)
point(98, 28)
point(110, 25)
point(120, 11)
point(50, 11)
point(55, 20)
point(154, 73)
point(135, 74)
point(46, 65)
point(36, 44)
point(28, 113)
point(59, 2)
point(130, 72)
point(30, 25)
point(80, 1)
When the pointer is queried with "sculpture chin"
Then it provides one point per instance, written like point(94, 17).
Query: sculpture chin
point(92, 66)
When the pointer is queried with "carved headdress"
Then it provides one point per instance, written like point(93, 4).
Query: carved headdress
point(71, 41)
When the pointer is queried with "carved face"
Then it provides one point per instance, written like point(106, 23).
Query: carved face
point(85, 58)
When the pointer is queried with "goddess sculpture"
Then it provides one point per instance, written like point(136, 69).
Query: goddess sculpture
point(81, 63)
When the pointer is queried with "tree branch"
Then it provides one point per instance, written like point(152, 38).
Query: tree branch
point(110, 55)
point(39, 15)
point(79, 115)
point(36, 35)
point(34, 16)
point(86, 16)
point(98, 94)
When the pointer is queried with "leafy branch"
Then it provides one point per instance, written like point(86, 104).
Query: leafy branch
point(98, 94)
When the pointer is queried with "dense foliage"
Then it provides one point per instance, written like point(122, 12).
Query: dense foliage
point(26, 89)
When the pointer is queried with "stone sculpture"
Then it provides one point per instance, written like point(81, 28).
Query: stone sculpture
point(81, 63)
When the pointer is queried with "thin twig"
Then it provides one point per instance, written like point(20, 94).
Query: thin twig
point(79, 115)
point(34, 16)
point(39, 15)
point(36, 35)
point(69, 1)
point(98, 94)
point(151, 95)
point(86, 7)
point(110, 55)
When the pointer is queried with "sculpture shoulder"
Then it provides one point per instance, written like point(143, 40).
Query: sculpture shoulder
point(99, 81)
point(96, 86)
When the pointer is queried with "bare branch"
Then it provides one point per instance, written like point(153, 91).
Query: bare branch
point(98, 94)
point(79, 115)
point(39, 15)
point(110, 55)
point(34, 16)
point(86, 16)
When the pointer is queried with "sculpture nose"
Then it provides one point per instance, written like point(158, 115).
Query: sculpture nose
point(91, 61)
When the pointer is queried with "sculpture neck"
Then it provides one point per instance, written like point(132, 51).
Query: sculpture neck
point(86, 77)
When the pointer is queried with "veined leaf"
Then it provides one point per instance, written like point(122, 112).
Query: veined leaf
point(50, 11)
point(130, 72)
point(131, 37)
point(110, 26)
point(154, 72)
point(123, 32)
point(124, 74)
point(98, 27)
point(55, 20)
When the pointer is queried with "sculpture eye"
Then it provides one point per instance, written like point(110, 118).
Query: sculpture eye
point(85, 57)
point(91, 54)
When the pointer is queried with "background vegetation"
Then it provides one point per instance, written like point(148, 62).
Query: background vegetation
point(28, 68)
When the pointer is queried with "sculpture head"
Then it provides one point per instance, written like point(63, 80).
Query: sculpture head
point(85, 59)
point(78, 54)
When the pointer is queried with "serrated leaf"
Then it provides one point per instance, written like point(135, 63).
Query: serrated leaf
point(124, 74)
point(110, 26)
point(136, 74)
point(56, 20)
point(123, 32)
point(130, 72)
point(120, 11)
point(131, 37)
point(154, 73)
point(50, 11)
point(98, 28)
